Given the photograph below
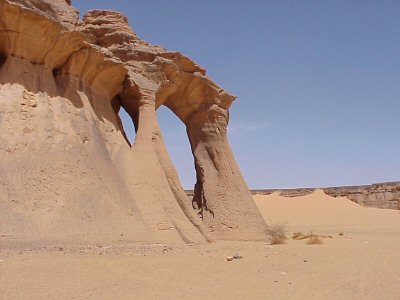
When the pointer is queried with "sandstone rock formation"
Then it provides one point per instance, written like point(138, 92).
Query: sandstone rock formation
point(68, 172)
point(379, 195)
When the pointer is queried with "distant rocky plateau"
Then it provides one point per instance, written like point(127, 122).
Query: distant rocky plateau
point(379, 195)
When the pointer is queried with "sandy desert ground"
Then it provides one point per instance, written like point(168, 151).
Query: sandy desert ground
point(363, 263)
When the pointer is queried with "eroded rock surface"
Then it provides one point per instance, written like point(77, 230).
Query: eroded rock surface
point(68, 172)
point(379, 195)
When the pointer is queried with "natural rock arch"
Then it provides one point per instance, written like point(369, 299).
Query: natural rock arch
point(62, 97)
point(221, 196)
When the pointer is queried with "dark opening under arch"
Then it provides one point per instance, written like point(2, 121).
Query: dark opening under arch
point(3, 59)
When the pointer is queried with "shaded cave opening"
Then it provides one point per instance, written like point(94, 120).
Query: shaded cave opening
point(178, 146)
point(3, 59)
point(55, 73)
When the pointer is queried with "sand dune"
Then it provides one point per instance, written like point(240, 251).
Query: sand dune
point(322, 212)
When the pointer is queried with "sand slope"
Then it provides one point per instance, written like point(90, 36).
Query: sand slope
point(321, 212)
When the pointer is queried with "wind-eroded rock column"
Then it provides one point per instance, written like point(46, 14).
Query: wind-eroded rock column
point(221, 195)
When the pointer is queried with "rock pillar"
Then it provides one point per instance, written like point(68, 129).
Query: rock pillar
point(221, 196)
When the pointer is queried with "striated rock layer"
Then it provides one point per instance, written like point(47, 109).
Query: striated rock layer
point(68, 172)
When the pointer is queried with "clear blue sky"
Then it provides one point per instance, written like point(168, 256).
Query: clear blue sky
point(318, 83)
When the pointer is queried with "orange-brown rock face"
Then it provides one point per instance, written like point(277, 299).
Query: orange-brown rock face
point(68, 173)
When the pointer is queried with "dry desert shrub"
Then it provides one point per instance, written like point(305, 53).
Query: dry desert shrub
point(315, 240)
point(312, 238)
point(298, 236)
point(277, 234)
